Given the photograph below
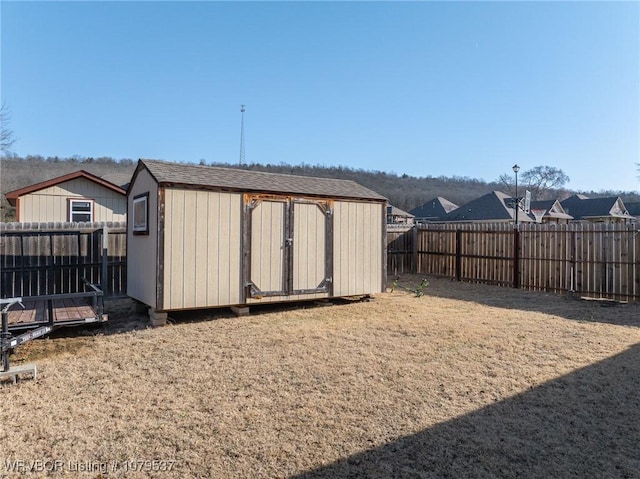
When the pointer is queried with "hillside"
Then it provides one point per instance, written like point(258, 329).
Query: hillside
point(405, 192)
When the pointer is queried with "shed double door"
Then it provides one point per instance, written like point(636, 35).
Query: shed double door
point(288, 246)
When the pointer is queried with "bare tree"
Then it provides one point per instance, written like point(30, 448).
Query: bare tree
point(541, 179)
point(506, 180)
point(6, 135)
point(538, 180)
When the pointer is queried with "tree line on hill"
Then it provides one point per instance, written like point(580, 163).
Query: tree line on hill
point(403, 191)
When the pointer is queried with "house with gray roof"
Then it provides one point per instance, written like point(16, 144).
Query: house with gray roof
point(433, 210)
point(633, 208)
point(550, 211)
point(206, 237)
point(396, 216)
point(494, 207)
point(610, 209)
point(121, 179)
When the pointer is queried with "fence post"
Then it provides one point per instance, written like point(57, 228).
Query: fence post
point(414, 249)
point(52, 272)
point(458, 254)
point(573, 260)
point(105, 260)
point(516, 257)
point(22, 273)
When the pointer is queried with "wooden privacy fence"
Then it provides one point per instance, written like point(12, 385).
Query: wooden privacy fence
point(401, 249)
point(595, 260)
point(52, 258)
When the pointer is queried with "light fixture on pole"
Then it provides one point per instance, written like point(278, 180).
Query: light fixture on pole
point(242, 135)
point(515, 169)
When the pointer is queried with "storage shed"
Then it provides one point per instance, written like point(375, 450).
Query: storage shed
point(204, 237)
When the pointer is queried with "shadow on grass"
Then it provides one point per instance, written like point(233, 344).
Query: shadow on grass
point(197, 315)
point(584, 425)
point(126, 314)
point(566, 306)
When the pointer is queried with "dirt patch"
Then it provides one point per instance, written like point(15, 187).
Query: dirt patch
point(463, 381)
point(125, 314)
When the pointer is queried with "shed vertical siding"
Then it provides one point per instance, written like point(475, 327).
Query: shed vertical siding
point(202, 241)
point(358, 248)
point(267, 246)
point(309, 250)
point(51, 204)
point(142, 250)
point(201, 245)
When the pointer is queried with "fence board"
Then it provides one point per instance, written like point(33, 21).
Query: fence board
point(399, 250)
point(47, 258)
point(595, 260)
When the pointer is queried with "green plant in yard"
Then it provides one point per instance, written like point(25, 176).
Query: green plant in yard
point(418, 290)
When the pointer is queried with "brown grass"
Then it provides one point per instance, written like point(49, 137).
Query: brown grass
point(465, 381)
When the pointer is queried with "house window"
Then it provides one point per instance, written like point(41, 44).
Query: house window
point(141, 214)
point(80, 210)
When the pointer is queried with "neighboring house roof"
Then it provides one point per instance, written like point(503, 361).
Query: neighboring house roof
point(393, 211)
point(494, 206)
point(120, 179)
point(581, 207)
point(12, 196)
point(633, 208)
point(434, 209)
point(549, 209)
point(167, 173)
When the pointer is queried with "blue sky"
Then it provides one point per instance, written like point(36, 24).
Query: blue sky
point(422, 88)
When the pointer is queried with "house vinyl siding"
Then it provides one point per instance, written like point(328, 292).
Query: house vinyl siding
point(52, 204)
point(202, 239)
point(142, 262)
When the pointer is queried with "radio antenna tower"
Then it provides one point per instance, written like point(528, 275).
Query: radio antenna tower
point(242, 135)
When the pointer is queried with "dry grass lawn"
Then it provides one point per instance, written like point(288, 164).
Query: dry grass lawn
point(465, 381)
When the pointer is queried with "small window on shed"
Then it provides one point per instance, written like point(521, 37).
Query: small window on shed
point(80, 210)
point(141, 214)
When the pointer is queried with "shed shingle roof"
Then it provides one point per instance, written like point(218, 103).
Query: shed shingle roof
point(256, 181)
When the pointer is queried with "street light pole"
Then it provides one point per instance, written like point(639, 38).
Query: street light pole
point(516, 168)
point(516, 236)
